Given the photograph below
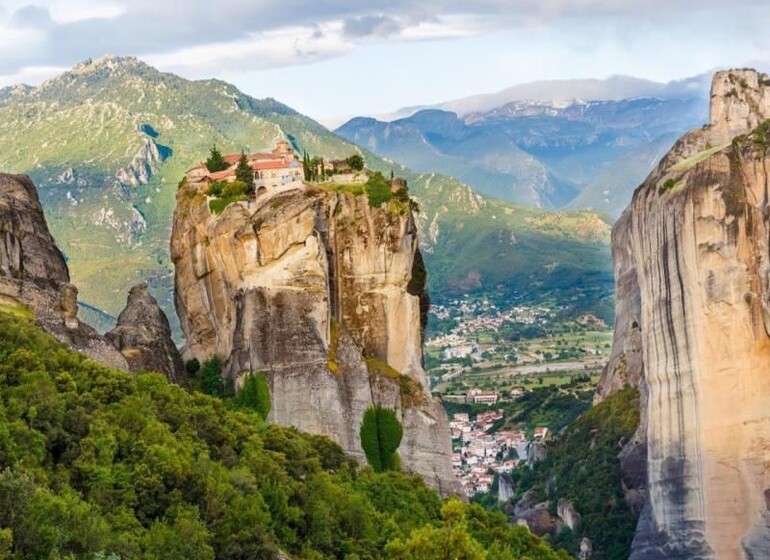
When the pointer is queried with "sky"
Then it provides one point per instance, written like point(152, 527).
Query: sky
point(335, 58)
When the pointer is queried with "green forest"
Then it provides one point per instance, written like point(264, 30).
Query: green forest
point(592, 481)
point(99, 464)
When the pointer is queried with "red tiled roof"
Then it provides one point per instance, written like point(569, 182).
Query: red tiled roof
point(219, 175)
point(261, 155)
point(274, 164)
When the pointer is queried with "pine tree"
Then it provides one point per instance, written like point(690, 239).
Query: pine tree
point(210, 377)
point(244, 173)
point(315, 167)
point(306, 166)
point(215, 161)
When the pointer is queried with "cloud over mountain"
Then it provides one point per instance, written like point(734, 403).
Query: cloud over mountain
point(60, 33)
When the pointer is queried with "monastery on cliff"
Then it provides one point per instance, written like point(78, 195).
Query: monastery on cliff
point(277, 168)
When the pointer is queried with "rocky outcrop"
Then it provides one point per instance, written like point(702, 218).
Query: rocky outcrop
point(142, 166)
point(536, 452)
point(143, 336)
point(327, 296)
point(566, 511)
point(505, 489)
point(34, 275)
point(692, 269)
point(586, 549)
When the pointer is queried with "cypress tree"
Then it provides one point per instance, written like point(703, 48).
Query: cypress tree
point(244, 173)
point(216, 162)
point(381, 434)
point(306, 165)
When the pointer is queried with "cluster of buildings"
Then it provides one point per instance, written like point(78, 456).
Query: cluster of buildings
point(476, 316)
point(474, 396)
point(274, 171)
point(480, 453)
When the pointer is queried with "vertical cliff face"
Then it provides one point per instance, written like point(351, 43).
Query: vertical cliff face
point(326, 296)
point(692, 269)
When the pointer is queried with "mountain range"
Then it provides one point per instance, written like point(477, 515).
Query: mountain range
point(579, 144)
point(108, 141)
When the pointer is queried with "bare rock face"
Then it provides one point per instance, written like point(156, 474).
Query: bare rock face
point(538, 520)
point(740, 101)
point(33, 273)
point(586, 549)
point(505, 489)
point(692, 332)
point(142, 166)
point(143, 336)
point(326, 296)
point(566, 511)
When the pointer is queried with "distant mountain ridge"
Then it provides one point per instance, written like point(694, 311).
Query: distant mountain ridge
point(538, 153)
point(108, 142)
point(567, 92)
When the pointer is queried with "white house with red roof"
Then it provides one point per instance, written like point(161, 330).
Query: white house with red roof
point(274, 171)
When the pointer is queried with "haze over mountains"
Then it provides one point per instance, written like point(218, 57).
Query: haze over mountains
point(580, 144)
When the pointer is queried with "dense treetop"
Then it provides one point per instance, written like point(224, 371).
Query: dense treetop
point(99, 464)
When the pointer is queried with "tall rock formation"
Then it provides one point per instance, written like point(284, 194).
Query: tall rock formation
point(34, 275)
point(143, 336)
point(324, 294)
point(692, 265)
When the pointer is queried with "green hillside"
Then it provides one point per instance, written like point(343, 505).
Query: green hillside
point(98, 464)
point(74, 134)
point(582, 466)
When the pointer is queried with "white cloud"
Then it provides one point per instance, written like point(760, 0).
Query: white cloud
point(148, 28)
point(30, 75)
point(384, 53)
point(270, 49)
point(74, 12)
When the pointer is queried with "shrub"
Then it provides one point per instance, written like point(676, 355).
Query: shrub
point(218, 205)
point(192, 366)
point(216, 188)
point(381, 434)
point(667, 186)
point(761, 134)
point(378, 190)
point(234, 189)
